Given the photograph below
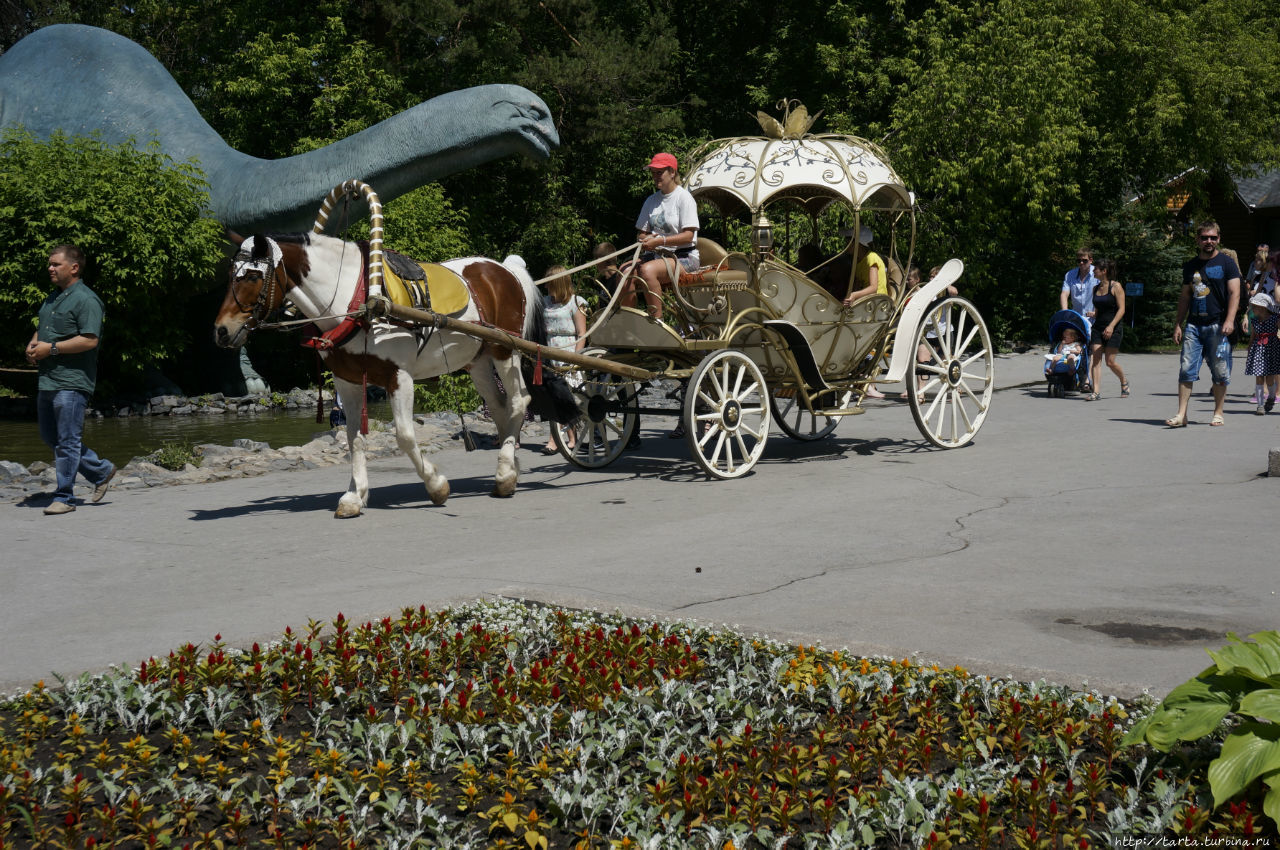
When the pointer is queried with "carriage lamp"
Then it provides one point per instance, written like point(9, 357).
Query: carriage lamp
point(762, 236)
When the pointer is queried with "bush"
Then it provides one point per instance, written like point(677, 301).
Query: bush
point(454, 393)
point(175, 455)
point(141, 219)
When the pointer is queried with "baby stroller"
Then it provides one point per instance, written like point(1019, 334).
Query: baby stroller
point(1064, 378)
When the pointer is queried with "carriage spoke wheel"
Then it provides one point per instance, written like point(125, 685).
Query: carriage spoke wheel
point(797, 421)
point(726, 414)
point(607, 422)
point(950, 395)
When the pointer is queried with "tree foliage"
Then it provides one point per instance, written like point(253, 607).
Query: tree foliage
point(1024, 126)
point(138, 215)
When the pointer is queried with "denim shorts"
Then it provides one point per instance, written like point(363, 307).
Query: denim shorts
point(1205, 343)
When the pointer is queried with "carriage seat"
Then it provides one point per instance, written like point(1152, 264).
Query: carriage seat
point(711, 273)
point(711, 253)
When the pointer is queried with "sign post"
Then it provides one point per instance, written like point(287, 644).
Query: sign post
point(1133, 289)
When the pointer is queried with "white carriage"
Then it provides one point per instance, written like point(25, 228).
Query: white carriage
point(753, 338)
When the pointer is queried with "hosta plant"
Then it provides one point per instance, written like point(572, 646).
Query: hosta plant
point(1243, 686)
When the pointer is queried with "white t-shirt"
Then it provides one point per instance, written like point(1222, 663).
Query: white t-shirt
point(667, 215)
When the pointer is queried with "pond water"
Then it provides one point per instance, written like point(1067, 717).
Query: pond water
point(120, 439)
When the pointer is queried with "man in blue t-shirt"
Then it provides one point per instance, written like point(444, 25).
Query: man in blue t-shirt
point(65, 347)
point(1078, 285)
point(1210, 295)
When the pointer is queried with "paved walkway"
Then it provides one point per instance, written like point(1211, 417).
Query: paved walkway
point(1075, 541)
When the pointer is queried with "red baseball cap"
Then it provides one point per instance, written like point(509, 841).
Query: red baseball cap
point(664, 160)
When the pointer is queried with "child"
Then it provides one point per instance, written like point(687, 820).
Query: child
point(1263, 359)
point(1069, 350)
point(565, 319)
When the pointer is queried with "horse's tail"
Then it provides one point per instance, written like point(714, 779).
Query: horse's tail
point(551, 397)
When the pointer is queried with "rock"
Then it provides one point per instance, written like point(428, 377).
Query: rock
point(10, 471)
point(212, 451)
point(182, 410)
point(250, 445)
point(38, 467)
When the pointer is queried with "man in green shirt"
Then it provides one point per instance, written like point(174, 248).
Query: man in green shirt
point(65, 347)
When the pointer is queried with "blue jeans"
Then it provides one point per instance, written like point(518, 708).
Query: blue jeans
point(1205, 343)
point(61, 414)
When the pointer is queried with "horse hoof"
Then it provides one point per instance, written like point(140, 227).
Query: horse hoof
point(348, 508)
point(503, 491)
point(440, 494)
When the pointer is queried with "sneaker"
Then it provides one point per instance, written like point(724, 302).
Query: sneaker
point(101, 489)
point(1261, 409)
point(676, 433)
point(59, 508)
point(634, 442)
point(1270, 403)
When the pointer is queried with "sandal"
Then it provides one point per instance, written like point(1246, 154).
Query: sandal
point(1176, 422)
point(1124, 390)
point(1092, 397)
point(1217, 420)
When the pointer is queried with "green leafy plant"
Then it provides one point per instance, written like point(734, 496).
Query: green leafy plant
point(175, 455)
point(450, 393)
point(1243, 681)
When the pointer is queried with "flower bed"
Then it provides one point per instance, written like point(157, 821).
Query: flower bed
point(508, 725)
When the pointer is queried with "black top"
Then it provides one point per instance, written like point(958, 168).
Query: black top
point(1105, 307)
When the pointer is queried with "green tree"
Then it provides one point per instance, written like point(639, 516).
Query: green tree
point(139, 216)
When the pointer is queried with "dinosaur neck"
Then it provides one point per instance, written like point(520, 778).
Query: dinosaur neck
point(421, 144)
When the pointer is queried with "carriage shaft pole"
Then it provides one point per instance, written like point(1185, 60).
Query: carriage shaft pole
point(381, 306)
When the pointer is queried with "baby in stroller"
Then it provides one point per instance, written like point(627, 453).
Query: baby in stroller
point(1067, 364)
point(1067, 353)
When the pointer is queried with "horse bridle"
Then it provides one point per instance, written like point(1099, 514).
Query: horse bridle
point(267, 300)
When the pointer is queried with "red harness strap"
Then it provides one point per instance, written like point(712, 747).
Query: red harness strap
point(341, 333)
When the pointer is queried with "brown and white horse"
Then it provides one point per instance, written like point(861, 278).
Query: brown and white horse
point(322, 276)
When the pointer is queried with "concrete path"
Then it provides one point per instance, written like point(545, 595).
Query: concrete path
point(1081, 542)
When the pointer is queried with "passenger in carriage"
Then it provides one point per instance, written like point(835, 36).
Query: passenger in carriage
point(808, 259)
point(667, 229)
point(871, 276)
point(607, 269)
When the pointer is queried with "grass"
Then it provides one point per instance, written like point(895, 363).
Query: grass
point(506, 725)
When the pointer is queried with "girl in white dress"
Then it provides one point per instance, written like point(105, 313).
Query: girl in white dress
point(565, 318)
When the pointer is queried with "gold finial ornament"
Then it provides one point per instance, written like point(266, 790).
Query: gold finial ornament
point(795, 123)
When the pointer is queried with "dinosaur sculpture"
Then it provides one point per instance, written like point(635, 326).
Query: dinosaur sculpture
point(81, 79)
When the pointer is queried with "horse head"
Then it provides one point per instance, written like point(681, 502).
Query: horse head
point(259, 281)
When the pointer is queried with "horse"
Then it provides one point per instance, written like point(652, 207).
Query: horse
point(324, 278)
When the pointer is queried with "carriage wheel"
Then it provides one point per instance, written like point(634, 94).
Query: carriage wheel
point(608, 421)
point(795, 420)
point(950, 395)
point(726, 414)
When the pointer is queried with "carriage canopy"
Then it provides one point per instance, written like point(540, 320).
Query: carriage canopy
point(743, 175)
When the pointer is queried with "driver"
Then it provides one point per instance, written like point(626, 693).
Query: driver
point(667, 230)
